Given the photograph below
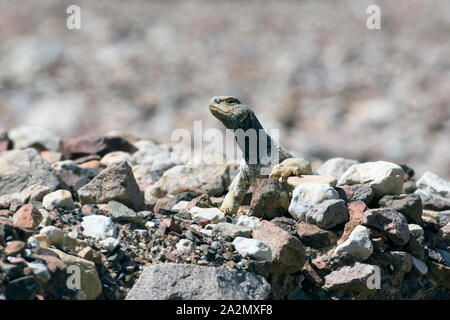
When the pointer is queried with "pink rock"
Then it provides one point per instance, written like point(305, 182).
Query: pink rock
point(28, 217)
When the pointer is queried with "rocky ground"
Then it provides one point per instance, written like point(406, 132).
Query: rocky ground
point(138, 223)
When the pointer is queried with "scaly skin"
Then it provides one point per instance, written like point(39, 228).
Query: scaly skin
point(236, 115)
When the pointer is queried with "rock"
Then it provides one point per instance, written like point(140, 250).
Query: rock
point(90, 254)
point(151, 154)
point(306, 195)
point(358, 246)
point(420, 266)
point(81, 146)
point(431, 185)
point(355, 277)
point(27, 217)
point(145, 173)
point(33, 137)
point(58, 199)
point(72, 175)
point(356, 210)
point(5, 142)
point(172, 281)
point(328, 213)
point(415, 230)
point(116, 156)
point(14, 247)
point(312, 236)
point(383, 177)
point(440, 274)
point(445, 234)
point(409, 205)
point(445, 255)
point(348, 229)
point(437, 204)
point(226, 229)
point(358, 192)
point(391, 222)
point(110, 244)
point(24, 288)
point(185, 246)
point(212, 178)
point(288, 252)
point(20, 169)
point(89, 280)
point(335, 167)
point(54, 235)
point(114, 183)
point(97, 226)
point(248, 222)
point(252, 249)
point(182, 205)
point(51, 156)
point(295, 181)
point(52, 261)
point(40, 271)
point(213, 214)
point(122, 214)
point(270, 199)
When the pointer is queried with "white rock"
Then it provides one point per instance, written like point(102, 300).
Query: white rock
point(181, 205)
point(226, 229)
point(383, 177)
point(415, 230)
point(150, 224)
point(420, 266)
point(248, 222)
point(30, 136)
point(306, 195)
point(110, 243)
point(185, 246)
point(116, 156)
point(357, 246)
point(40, 271)
point(58, 199)
point(213, 214)
point(253, 249)
point(335, 167)
point(431, 185)
point(98, 226)
point(54, 235)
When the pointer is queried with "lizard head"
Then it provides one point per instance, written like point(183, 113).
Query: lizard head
point(230, 111)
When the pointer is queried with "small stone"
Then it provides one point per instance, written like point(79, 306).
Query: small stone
point(252, 249)
point(270, 199)
point(212, 214)
point(110, 243)
point(383, 177)
point(122, 214)
point(354, 277)
point(356, 210)
point(328, 213)
point(437, 204)
point(28, 217)
point(358, 192)
point(226, 229)
point(420, 266)
point(248, 222)
point(391, 222)
point(409, 205)
point(335, 167)
point(58, 199)
point(415, 230)
point(440, 274)
point(97, 226)
point(15, 247)
point(116, 156)
point(51, 156)
point(33, 137)
point(5, 142)
point(315, 237)
point(288, 252)
point(185, 246)
point(40, 271)
point(90, 254)
point(431, 185)
point(306, 195)
point(54, 235)
point(358, 246)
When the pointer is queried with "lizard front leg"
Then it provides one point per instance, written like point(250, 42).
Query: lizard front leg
point(291, 167)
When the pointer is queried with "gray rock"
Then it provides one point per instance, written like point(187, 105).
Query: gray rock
point(415, 230)
point(190, 282)
point(328, 213)
point(122, 214)
point(54, 235)
point(409, 205)
point(20, 169)
point(391, 222)
point(114, 183)
point(58, 199)
point(335, 167)
point(253, 249)
point(355, 277)
point(431, 185)
point(419, 265)
point(226, 229)
point(34, 137)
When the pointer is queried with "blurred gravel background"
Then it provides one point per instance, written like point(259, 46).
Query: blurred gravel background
point(310, 68)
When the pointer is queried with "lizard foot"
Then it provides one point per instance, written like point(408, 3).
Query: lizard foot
point(291, 167)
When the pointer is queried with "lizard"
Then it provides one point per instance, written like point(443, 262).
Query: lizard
point(236, 116)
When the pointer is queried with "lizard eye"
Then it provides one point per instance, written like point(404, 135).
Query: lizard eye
point(231, 100)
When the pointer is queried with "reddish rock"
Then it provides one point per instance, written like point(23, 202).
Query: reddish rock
point(312, 275)
point(312, 236)
point(82, 146)
point(28, 217)
point(90, 254)
point(348, 228)
point(356, 210)
point(5, 142)
point(270, 199)
point(172, 225)
point(170, 256)
point(53, 263)
point(391, 222)
point(14, 247)
point(7, 228)
point(358, 192)
point(288, 252)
